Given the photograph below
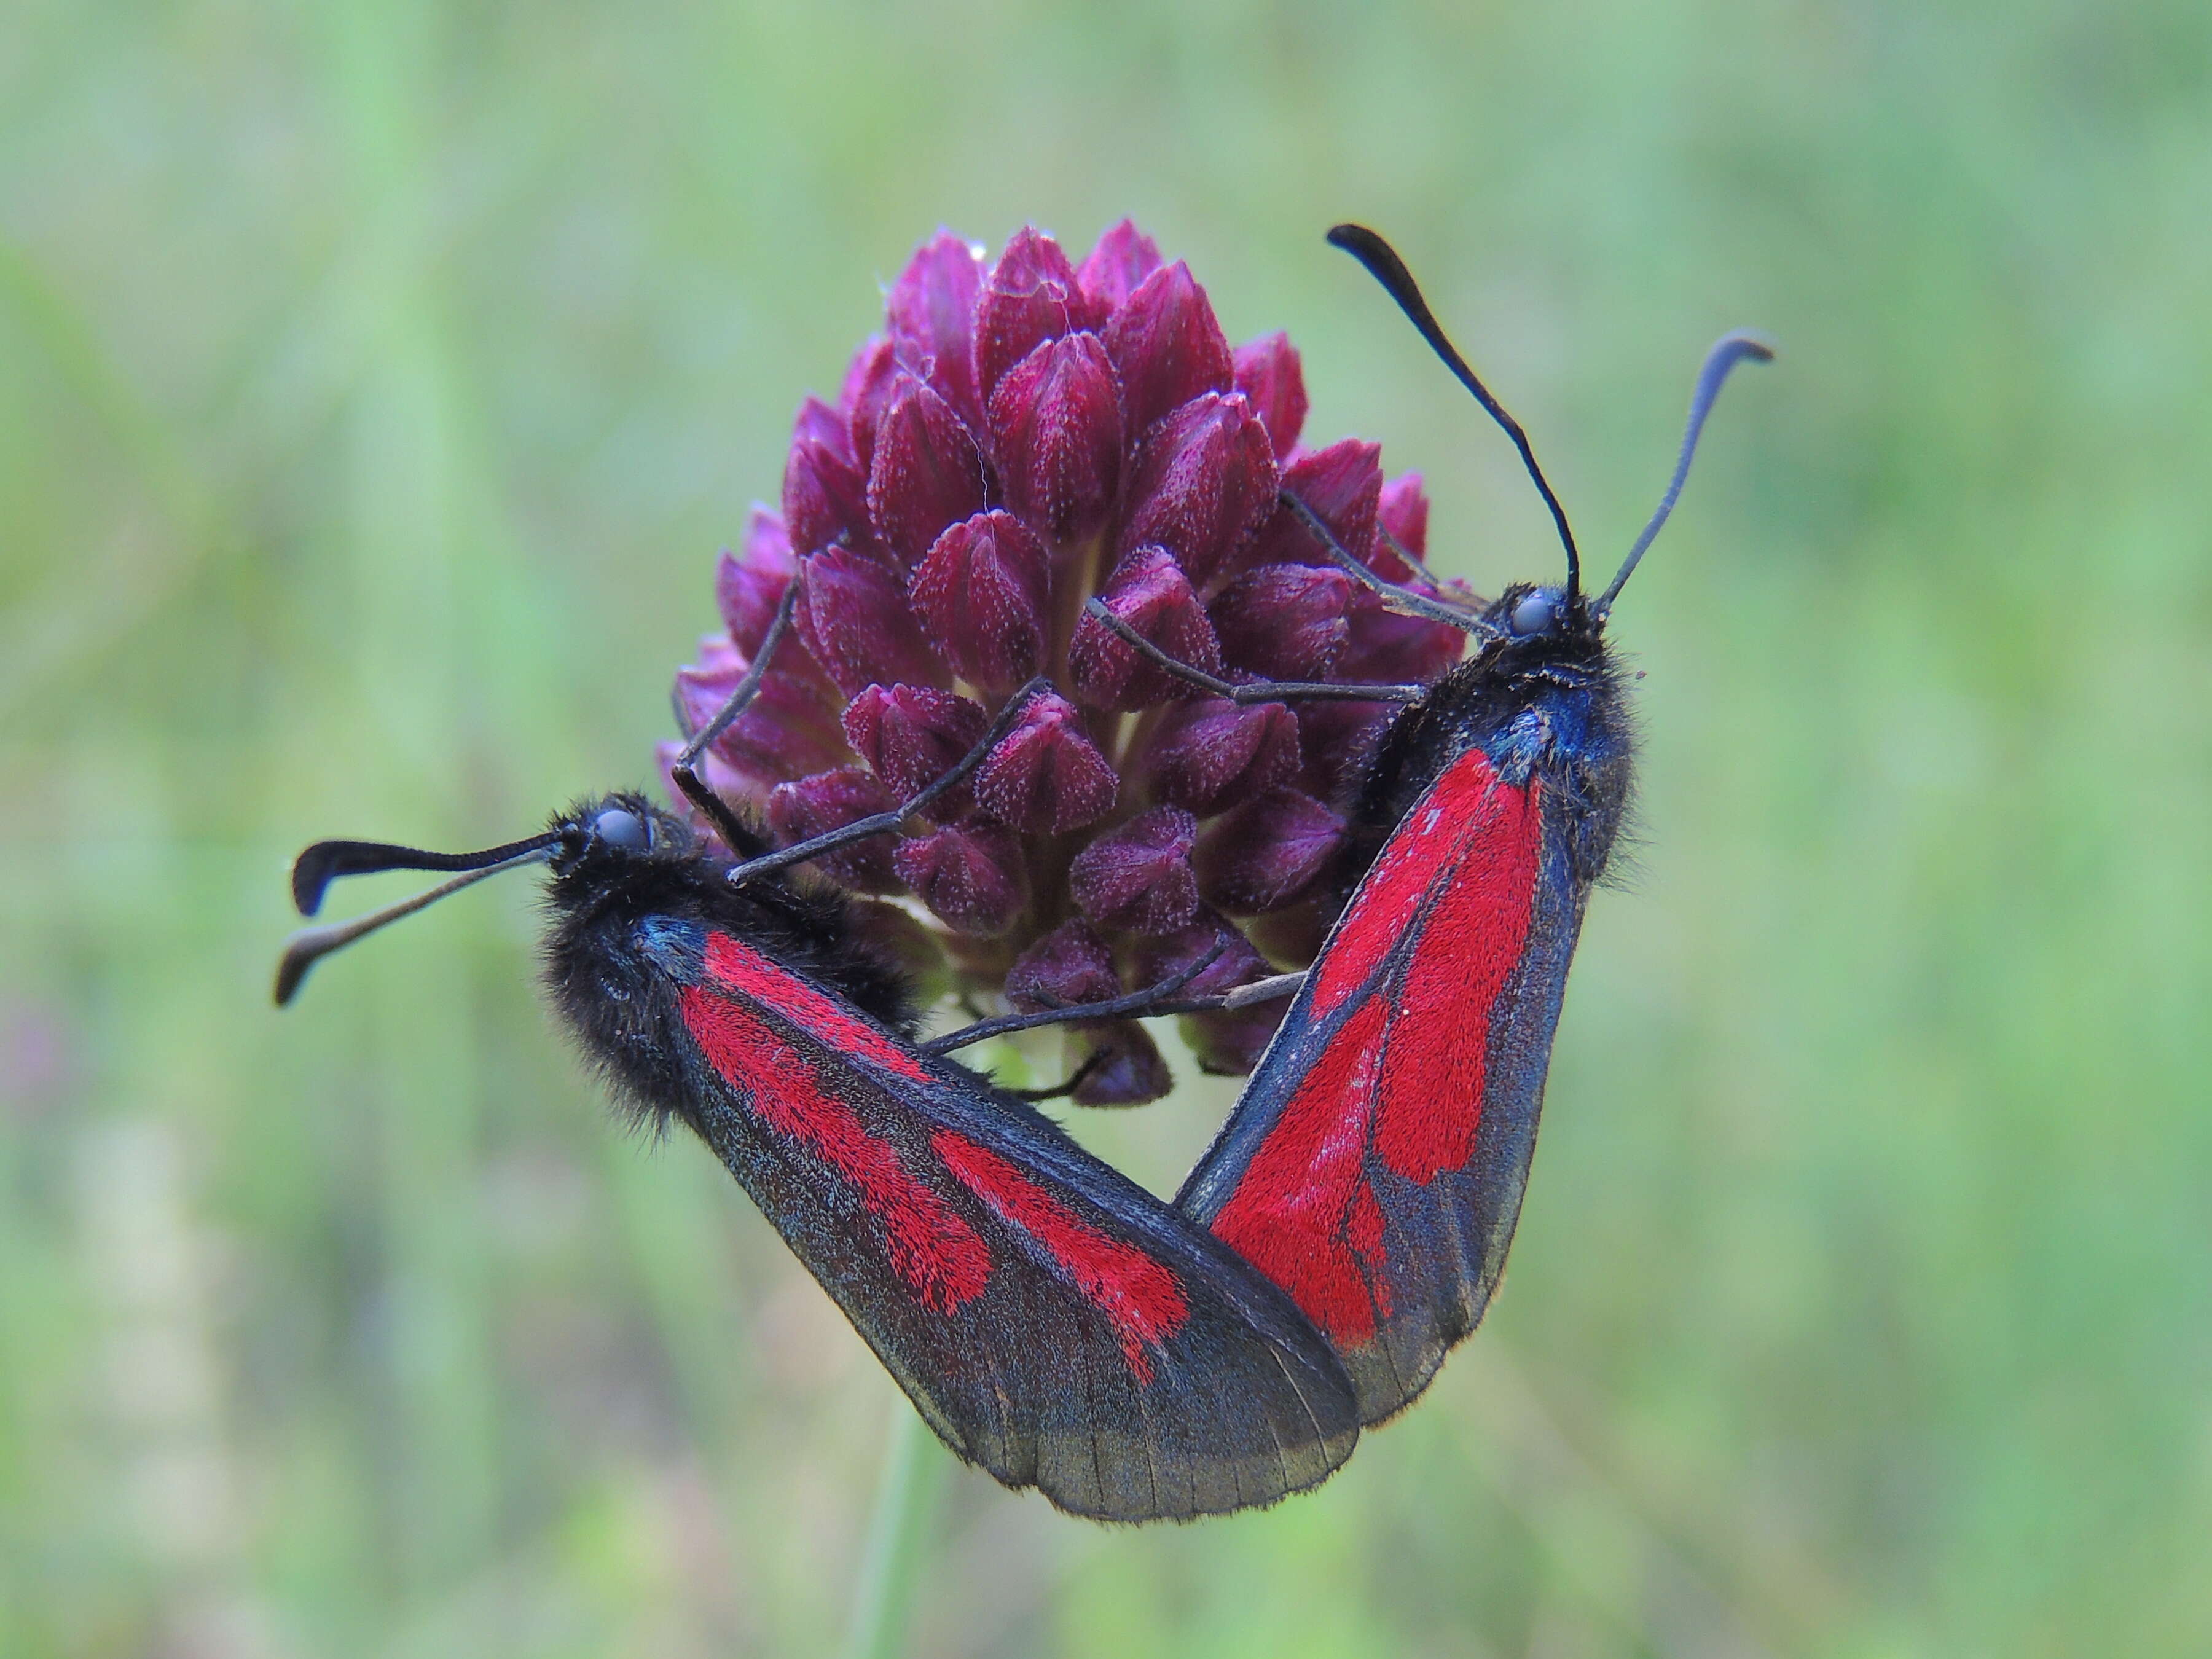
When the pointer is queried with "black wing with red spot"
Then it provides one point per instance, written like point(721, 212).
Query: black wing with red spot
point(1375, 1163)
point(1052, 1320)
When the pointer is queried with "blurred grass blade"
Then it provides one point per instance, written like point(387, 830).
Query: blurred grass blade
point(906, 1498)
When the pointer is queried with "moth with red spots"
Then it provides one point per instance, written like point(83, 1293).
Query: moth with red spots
point(1050, 1319)
point(1374, 1164)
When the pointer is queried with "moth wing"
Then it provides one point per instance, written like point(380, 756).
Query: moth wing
point(1375, 1163)
point(1050, 1319)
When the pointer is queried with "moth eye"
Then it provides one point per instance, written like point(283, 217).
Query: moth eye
point(617, 827)
point(1536, 613)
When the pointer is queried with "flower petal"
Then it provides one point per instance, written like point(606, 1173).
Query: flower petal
point(1342, 485)
point(812, 805)
point(981, 593)
point(1069, 965)
point(1031, 296)
point(1148, 591)
point(1168, 346)
point(1268, 374)
point(912, 735)
point(928, 472)
point(825, 496)
point(1133, 1072)
point(1125, 256)
point(788, 730)
point(930, 313)
point(1283, 622)
point(1403, 511)
point(1138, 875)
point(1209, 753)
point(970, 875)
point(874, 374)
point(1056, 436)
point(748, 589)
point(1046, 775)
point(853, 615)
point(1227, 1043)
point(1203, 482)
point(1265, 853)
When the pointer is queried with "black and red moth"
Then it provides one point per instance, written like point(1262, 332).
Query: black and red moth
point(1050, 1319)
point(1375, 1163)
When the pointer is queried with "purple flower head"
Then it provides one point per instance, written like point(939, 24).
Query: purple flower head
point(1023, 434)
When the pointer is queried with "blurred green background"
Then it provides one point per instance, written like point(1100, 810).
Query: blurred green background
point(377, 383)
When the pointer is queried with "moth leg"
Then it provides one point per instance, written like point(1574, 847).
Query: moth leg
point(1253, 691)
point(1157, 999)
point(736, 834)
point(1098, 1057)
point(1402, 599)
point(881, 824)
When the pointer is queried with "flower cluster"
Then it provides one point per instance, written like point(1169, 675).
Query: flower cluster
point(1022, 436)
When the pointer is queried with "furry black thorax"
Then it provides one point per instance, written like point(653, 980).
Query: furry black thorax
point(620, 1005)
point(1546, 705)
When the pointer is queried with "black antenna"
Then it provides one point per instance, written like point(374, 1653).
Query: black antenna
point(326, 859)
point(1383, 264)
point(314, 870)
point(1728, 351)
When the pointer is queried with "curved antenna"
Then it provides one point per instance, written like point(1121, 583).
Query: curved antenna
point(1383, 264)
point(310, 944)
point(314, 870)
point(1728, 351)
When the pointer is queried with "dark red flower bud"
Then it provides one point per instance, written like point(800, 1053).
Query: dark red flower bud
point(831, 800)
point(1382, 642)
point(853, 615)
point(1203, 482)
point(1133, 1072)
point(1150, 592)
point(1342, 485)
point(931, 310)
point(1125, 256)
point(1335, 741)
point(969, 874)
point(981, 593)
point(1268, 374)
point(1046, 775)
point(1031, 296)
point(1056, 436)
point(1265, 853)
point(825, 496)
point(912, 735)
point(1168, 346)
point(1227, 1043)
point(1211, 753)
point(867, 391)
point(789, 729)
point(748, 589)
point(1069, 965)
point(928, 472)
point(1404, 512)
point(1137, 876)
point(1283, 622)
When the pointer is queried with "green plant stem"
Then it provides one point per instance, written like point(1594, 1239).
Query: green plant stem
point(906, 1497)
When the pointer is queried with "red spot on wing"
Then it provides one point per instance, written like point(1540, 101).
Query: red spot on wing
point(744, 972)
point(931, 1247)
point(1439, 1042)
point(1404, 1075)
point(1303, 1212)
point(1422, 848)
point(1141, 1298)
